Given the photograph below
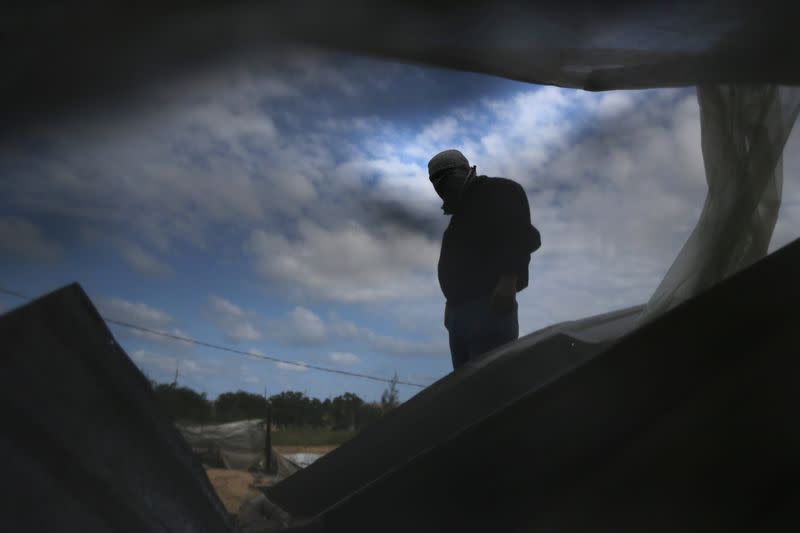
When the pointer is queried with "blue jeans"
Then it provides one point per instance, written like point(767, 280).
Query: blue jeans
point(475, 329)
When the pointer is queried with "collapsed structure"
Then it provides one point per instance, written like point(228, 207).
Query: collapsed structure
point(677, 415)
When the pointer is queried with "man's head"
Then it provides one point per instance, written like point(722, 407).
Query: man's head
point(448, 172)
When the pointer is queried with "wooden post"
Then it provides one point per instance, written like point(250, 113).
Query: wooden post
point(268, 444)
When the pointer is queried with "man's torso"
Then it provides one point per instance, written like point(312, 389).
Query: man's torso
point(467, 267)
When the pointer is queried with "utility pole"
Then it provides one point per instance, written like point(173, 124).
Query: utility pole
point(268, 443)
point(177, 367)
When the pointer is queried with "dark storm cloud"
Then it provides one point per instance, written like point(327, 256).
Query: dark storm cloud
point(396, 215)
point(68, 62)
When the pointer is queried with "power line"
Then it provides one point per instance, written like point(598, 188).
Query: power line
point(257, 356)
point(14, 293)
point(233, 350)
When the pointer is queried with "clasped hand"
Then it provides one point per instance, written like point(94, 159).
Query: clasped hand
point(504, 295)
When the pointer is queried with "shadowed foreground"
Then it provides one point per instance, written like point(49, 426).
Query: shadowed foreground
point(685, 424)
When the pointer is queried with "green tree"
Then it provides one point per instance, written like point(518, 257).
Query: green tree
point(291, 408)
point(240, 405)
point(183, 403)
point(345, 410)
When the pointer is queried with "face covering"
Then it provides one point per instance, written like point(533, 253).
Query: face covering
point(452, 188)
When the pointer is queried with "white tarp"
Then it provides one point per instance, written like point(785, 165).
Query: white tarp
point(239, 445)
point(743, 132)
point(303, 459)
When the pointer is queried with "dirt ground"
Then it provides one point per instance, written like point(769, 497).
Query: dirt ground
point(322, 450)
point(235, 487)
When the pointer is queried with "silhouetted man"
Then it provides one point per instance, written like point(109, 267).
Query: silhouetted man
point(486, 250)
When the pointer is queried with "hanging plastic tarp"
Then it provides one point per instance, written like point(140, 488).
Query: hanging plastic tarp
point(237, 445)
point(744, 129)
point(97, 56)
point(240, 445)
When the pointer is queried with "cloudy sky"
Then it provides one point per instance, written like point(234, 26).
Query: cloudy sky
point(280, 206)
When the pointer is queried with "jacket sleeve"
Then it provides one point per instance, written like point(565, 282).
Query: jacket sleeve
point(516, 237)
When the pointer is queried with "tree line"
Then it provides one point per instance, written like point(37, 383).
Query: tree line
point(288, 409)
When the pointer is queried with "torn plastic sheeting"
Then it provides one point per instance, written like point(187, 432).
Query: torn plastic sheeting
point(303, 459)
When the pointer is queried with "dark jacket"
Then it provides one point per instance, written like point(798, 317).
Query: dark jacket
point(490, 235)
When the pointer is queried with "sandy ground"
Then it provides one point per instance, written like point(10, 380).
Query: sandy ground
point(322, 450)
point(235, 487)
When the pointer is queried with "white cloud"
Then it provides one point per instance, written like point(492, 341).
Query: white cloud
point(145, 316)
point(223, 306)
point(348, 263)
point(137, 313)
point(219, 159)
point(387, 344)
point(343, 358)
point(306, 325)
point(303, 327)
point(234, 322)
point(142, 260)
point(615, 182)
point(440, 132)
point(167, 364)
point(611, 104)
point(168, 176)
point(149, 360)
point(300, 326)
point(194, 367)
point(244, 331)
point(19, 236)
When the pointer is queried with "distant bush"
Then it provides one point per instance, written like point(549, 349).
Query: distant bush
point(308, 436)
point(295, 409)
point(183, 403)
point(239, 405)
point(338, 418)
